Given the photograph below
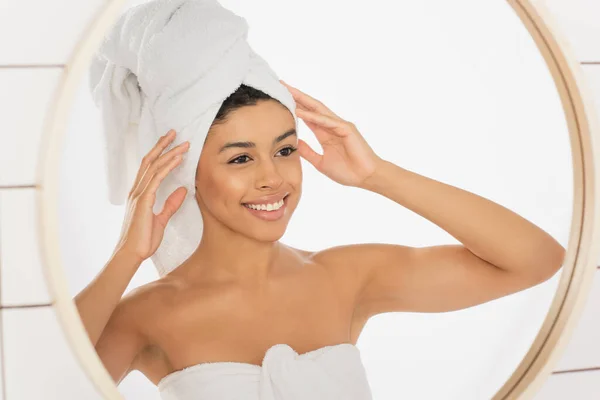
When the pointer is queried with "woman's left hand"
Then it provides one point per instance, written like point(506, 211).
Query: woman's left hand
point(347, 158)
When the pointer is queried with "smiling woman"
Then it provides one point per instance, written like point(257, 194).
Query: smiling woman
point(424, 288)
point(268, 171)
point(236, 260)
point(222, 266)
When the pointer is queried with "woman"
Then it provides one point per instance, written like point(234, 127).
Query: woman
point(243, 293)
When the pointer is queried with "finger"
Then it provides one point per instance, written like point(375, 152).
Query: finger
point(172, 204)
point(301, 106)
point(309, 154)
point(158, 148)
point(158, 164)
point(309, 103)
point(340, 128)
point(150, 189)
point(321, 133)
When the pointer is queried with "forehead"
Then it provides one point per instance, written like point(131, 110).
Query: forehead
point(262, 120)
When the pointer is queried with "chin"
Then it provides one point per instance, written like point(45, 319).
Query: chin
point(264, 235)
point(265, 231)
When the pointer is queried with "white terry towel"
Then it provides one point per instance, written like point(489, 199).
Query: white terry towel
point(169, 64)
point(333, 372)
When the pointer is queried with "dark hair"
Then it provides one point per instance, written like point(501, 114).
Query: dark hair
point(243, 96)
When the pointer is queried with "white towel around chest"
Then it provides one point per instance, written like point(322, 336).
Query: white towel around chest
point(328, 373)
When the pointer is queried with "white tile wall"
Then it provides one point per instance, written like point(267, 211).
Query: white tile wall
point(578, 21)
point(38, 361)
point(22, 279)
point(24, 99)
point(583, 349)
point(592, 77)
point(571, 386)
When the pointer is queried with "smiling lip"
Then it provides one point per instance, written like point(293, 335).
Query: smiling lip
point(270, 215)
point(268, 199)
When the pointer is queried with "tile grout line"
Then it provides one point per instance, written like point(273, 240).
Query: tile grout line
point(24, 66)
point(566, 371)
point(19, 186)
point(25, 306)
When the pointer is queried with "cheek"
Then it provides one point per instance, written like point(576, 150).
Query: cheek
point(225, 188)
point(294, 174)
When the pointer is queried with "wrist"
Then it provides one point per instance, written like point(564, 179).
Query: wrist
point(378, 178)
point(124, 257)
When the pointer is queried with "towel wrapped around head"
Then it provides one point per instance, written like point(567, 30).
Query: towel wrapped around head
point(170, 64)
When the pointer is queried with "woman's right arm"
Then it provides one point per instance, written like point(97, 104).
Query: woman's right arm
point(97, 301)
point(110, 320)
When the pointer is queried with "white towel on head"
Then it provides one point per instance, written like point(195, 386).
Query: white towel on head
point(170, 64)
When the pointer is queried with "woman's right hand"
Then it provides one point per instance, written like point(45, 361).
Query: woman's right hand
point(142, 230)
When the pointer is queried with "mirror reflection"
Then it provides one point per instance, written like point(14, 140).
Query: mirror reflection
point(315, 210)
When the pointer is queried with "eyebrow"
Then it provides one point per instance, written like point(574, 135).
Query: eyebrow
point(247, 145)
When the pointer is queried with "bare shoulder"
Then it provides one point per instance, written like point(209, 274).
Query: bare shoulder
point(145, 298)
point(352, 265)
point(125, 336)
point(303, 253)
point(381, 277)
point(348, 260)
point(348, 267)
point(137, 308)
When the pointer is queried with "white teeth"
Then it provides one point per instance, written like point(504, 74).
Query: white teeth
point(266, 207)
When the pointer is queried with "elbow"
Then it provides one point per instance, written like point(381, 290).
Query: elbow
point(558, 259)
point(553, 262)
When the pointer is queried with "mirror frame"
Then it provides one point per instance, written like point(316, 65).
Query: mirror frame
point(584, 239)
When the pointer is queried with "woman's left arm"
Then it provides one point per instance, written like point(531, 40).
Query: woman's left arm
point(489, 230)
point(501, 253)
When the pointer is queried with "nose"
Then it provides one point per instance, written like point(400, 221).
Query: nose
point(268, 175)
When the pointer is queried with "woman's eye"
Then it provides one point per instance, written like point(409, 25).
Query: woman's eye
point(237, 158)
point(290, 148)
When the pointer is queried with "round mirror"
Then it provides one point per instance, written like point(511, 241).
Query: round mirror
point(437, 224)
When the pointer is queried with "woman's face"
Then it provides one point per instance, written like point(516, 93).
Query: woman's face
point(229, 175)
